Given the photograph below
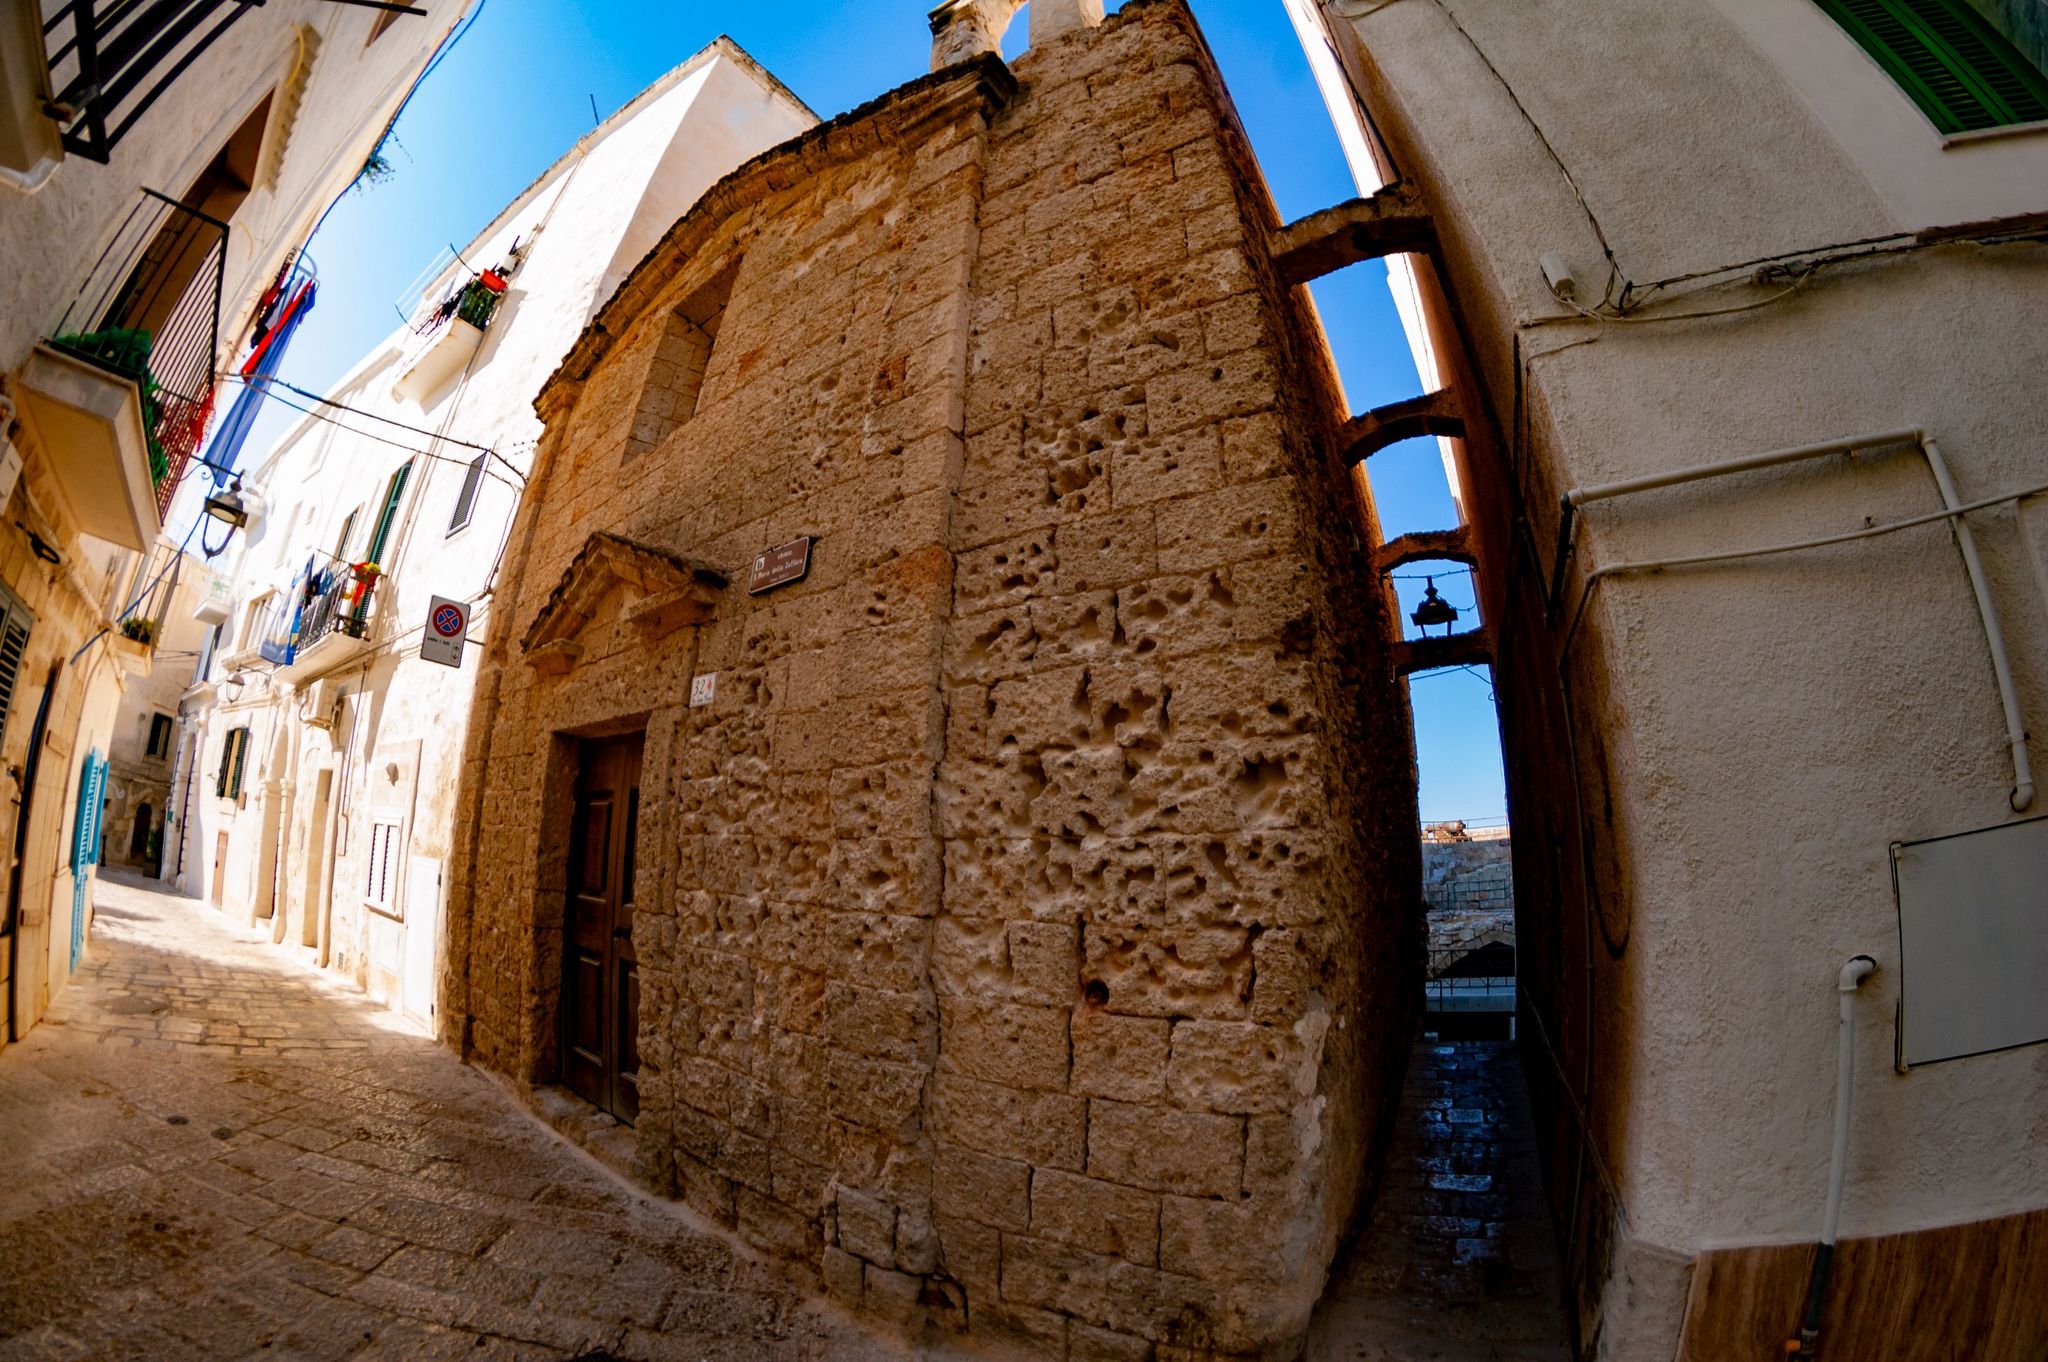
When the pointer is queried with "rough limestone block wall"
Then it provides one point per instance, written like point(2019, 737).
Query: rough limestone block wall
point(1170, 946)
point(1027, 929)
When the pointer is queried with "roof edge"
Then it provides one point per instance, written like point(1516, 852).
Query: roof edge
point(986, 75)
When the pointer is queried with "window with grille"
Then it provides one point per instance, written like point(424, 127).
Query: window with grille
point(159, 735)
point(465, 500)
point(383, 870)
point(233, 756)
point(1963, 73)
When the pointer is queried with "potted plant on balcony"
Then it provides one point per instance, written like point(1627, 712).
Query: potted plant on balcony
point(132, 644)
point(364, 578)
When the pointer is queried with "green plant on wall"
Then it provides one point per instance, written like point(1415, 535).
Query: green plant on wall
point(378, 168)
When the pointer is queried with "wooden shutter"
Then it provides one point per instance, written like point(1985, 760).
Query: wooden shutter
point(1962, 72)
point(228, 784)
point(394, 491)
point(14, 627)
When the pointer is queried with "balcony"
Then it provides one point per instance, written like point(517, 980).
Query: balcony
point(120, 395)
point(449, 335)
point(110, 61)
point(321, 624)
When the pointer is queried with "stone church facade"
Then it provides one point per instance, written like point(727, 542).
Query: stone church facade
point(1014, 918)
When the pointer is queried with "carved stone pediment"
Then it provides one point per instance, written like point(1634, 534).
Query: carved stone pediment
point(665, 591)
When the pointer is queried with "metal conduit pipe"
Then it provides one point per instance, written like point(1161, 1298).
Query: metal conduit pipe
point(1807, 1345)
point(1953, 511)
point(1994, 633)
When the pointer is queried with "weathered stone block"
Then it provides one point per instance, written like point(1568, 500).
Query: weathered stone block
point(971, 1253)
point(1043, 1129)
point(1239, 1067)
point(1171, 971)
point(871, 1092)
point(880, 1024)
point(979, 1187)
point(1108, 550)
point(1216, 1240)
point(1167, 467)
point(892, 1295)
point(1045, 962)
point(1191, 1153)
point(867, 1225)
point(1089, 1213)
point(1013, 1044)
point(1086, 1343)
point(1119, 1057)
point(842, 1275)
point(1246, 520)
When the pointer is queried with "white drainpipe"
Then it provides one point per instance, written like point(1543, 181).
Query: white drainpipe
point(1851, 978)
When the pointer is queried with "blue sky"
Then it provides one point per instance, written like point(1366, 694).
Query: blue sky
point(517, 90)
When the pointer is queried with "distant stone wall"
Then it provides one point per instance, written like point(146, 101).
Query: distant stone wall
point(1468, 875)
point(1016, 940)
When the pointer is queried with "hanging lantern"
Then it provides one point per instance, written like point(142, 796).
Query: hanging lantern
point(1434, 609)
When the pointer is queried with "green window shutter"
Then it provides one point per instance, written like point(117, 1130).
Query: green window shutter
point(228, 784)
point(241, 754)
point(394, 491)
point(1962, 72)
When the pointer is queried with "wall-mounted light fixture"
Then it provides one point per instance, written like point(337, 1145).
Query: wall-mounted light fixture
point(225, 508)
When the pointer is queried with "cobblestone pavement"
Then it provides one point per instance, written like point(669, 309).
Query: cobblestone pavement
point(214, 1152)
point(1457, 1263)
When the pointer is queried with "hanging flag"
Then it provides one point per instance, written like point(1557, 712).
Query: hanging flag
point(257, 372)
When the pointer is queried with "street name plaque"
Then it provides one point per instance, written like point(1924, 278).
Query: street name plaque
point(779, 566)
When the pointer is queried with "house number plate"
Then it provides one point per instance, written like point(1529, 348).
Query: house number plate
point(779, 566)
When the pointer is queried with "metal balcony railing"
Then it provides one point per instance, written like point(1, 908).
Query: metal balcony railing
point(150, 311)
point(327, 599)
point(111, 60)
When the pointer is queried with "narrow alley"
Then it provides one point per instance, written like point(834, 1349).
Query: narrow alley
point(1457, 1262)
point(218, 1153)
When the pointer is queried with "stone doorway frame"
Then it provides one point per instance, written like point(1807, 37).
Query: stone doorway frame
point(548, 922)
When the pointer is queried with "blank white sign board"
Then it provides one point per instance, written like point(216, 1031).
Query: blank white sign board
point(1973, 939)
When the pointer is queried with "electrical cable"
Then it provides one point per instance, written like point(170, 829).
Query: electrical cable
point(1600, 234)
point(399, 444)
point(1590, 314)
point(143, 595)
point(358, 411)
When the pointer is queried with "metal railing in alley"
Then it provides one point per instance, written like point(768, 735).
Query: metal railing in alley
point(150, 312)
point(329, 597)
point(110, 61)
point(1466, 978)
